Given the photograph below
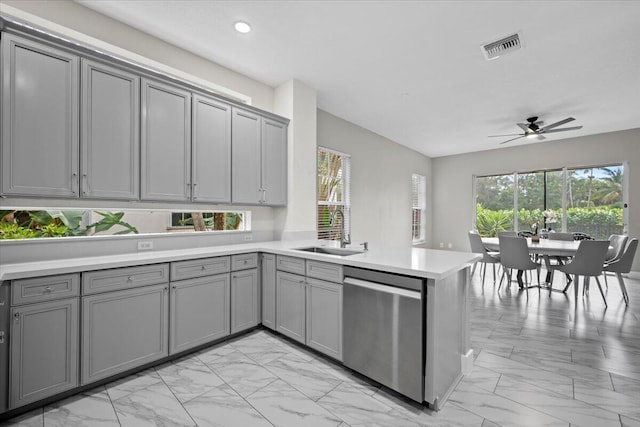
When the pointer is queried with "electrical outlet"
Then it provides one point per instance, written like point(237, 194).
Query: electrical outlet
point(441, 245)
point(248, 237)
point(450, 245)
point(145, 245)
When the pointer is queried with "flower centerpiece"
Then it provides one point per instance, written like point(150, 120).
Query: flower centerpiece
point(549, 218)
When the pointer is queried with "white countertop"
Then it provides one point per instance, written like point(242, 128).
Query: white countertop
point(425, 263)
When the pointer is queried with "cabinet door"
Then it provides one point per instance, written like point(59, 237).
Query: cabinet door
point(274, 163)
point(110, 141)
point(324, 317)
point(199, 311)
point(211, 151)
point(269, 290)
point(290, 306)
point(44, 350)
point(245, 157)
point(244, 300)
point(123, 330)
point(39, 119)
point(166, 142)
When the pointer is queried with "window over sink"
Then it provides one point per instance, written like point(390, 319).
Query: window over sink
point(334, 176)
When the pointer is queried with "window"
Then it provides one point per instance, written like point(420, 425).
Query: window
point(20, 223)
point(334, 175)
point(586, 199)
point(418, 208)
point(214, 221)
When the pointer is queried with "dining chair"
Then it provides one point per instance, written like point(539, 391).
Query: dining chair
point(588, 262)
point(623, 266)
point(488, 257)
point(514, 254)
point(617, 243)
point(559, 260)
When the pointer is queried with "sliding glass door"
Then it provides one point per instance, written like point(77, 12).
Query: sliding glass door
point(587, 200)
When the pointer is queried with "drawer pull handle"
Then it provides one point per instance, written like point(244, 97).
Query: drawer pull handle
point(1, 337)
point(47, 290)
point(203, 267)
point(130, 279)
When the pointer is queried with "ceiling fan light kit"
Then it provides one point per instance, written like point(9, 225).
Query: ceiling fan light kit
point(532, 129)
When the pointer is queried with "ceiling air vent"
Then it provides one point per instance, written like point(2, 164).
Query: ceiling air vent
point(503, 46)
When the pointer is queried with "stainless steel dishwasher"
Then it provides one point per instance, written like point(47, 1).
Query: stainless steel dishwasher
point(384, 324)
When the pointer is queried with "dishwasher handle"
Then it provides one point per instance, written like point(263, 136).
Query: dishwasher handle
point(387, 289)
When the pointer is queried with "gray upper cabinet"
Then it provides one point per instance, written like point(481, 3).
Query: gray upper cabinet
point(211, 151)
point(44, 350)
point(274, 163)
point(39, 119)
point(166, 142)
point(110, 132)
point(245, 157)
point(259, 159)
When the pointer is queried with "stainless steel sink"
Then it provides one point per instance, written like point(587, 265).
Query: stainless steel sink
point(329, 251)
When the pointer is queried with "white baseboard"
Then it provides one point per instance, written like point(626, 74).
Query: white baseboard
point(466, 362)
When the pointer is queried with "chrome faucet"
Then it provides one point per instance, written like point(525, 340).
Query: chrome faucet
point(344, 241)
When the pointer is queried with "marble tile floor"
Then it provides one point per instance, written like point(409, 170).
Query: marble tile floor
point(539, 361)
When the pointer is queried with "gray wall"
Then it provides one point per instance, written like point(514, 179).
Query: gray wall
point(380, 181)
point(452, 177)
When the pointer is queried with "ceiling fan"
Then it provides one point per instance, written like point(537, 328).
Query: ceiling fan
point(534, 129)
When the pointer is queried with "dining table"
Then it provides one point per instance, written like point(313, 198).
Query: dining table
point(546, 248)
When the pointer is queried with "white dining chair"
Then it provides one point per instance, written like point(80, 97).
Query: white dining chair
point(623, 266)
point(514, 255)
point(588, 262)
point(488, 257)
point(617, 243)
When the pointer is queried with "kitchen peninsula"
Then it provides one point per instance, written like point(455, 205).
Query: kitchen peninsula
point(294, 292)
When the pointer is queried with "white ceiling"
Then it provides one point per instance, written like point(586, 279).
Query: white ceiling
point(413, 71)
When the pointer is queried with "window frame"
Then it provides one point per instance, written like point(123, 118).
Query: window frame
point(418, 208)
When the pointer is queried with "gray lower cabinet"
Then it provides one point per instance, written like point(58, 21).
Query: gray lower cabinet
point(268, 276)
point(44, 350)
point(211, 151)
point(309, 310)
point(40, 97)
point(324, 317)
point(290, 306)
point(199, 311)
point(123, 330)
point(110, 132)
point(166, 142)
point(244, 300)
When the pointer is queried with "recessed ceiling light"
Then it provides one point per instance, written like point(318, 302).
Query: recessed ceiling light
point(242, 27)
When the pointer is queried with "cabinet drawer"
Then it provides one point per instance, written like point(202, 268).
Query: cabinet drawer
point(290, 264)
point(199, 267)
point(95, 282)
point(324, 271)
point(244, 261)
point(25, 291)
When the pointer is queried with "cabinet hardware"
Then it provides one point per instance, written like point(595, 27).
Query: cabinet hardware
point(47, 290)
point(174, 287)
point(1, 337)
point(130, 279)
point(74, 183)
point(16, 316)
point(85, 183)
point(203, 268)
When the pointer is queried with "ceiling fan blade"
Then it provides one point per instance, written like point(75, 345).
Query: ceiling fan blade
point(509, 134)
point(556, 124)
point(563, 129)
point(523, 126)
point(512, 139)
